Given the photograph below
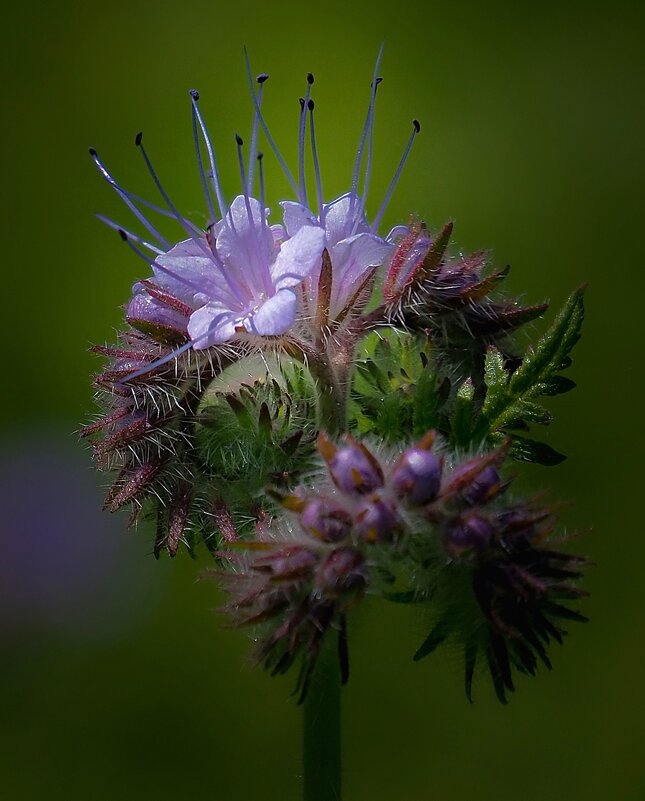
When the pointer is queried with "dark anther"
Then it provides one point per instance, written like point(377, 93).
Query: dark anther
point(310, 78)
point(194, 94)
point(138, 138)
point(262, 77)
point(417, 125)
point(123, 235)
point(92, 152)
point(310, 105)
point(239, 140)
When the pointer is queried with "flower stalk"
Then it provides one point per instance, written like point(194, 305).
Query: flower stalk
point(322, 731)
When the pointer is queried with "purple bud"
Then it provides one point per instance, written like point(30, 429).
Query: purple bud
point(353, 468)
point(469, 531)
point(377, 520)
point(342, 571)
point(147, 309)
point(354, 472)
point(322, 518)
point(417, 476)
point(483, 486)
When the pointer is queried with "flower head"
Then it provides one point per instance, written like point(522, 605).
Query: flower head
point(241, 276)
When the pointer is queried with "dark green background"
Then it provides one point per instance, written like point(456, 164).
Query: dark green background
point(117, 680)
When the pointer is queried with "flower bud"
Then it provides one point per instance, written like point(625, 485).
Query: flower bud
point(325, 520)
point(417, 476)
point(483, 487)
point(352, 467)
point(468, 531)
point(377, 520)
point(342, 571)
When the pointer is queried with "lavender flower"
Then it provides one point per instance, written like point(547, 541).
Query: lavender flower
point(241, 276)
point(354, 250)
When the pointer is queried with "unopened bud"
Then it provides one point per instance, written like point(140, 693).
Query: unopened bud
point(469, 531)
point(342, 571)
point(417, 476)
point(352, 467)
point(325, 520)
point(377, 520)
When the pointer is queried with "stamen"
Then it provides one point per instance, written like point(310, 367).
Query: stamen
point(368, 167)
point(254, 136)
point(116, 227)
point(261, 79)
point(125, 197)
point(192, 230)
point(262, 196)
point(366, 127)
point(416, 127)
point(214, 174)
point(202, 171)
point(304, 104)
point(314, 153)
point(261, 265)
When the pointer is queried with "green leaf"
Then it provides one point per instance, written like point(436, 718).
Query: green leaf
point(529, 450)
point(557, 385)
point(509, 402)
point(462, 419)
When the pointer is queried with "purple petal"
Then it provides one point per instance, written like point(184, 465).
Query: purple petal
point(296, 216)
point(212, 324)
point(298, 256)
point(244, 243)
point(190, 274)
point(339, 218)
point(275, 315)
point(351, 258)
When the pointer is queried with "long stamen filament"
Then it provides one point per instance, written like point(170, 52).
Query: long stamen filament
point(260, 79)
point(416, 127)
point(134, 237)
point(366, 128)
point(192, 230)
point(125, 197)
point(262, 195)
point(304, 104)
point(214, 174)
point(202, 171)
point(368, 167)
point(254, 143)
point(314, 153)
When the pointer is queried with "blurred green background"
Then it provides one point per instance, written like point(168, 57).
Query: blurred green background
point(117, 679)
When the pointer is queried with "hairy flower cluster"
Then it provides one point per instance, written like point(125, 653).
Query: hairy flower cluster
point(250, 336)
point(484, 561)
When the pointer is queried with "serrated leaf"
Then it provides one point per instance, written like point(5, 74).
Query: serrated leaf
point(529, 450)
point(462, 419)
point(511, 404)
point(495, 373)
point(557, 385)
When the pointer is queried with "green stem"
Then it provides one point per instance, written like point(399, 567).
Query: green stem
point(331, 395)
point(321, 732)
